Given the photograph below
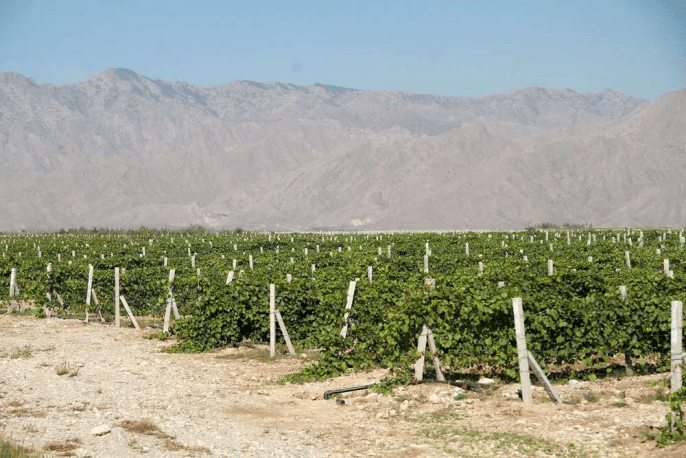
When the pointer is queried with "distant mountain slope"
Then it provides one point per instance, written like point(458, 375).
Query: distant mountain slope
point(124, 150)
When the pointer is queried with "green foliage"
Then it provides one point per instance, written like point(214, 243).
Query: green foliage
point(573, 315)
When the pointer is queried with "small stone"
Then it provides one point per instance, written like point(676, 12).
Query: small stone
point(100, 430)
point(486, 382)
point(392, 413)
point(405, 405)
point(573, 382)
point(304, 355)
point(382, 414)
point(314, 397)
point(434, 399)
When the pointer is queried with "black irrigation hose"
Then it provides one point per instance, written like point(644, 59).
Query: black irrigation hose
point(462, 384)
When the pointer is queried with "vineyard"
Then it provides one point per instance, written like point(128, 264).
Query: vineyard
point(569, 282)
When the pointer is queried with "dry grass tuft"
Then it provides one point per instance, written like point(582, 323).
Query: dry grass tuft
point(21, 352)
point(70, 369)
point(62, 446)
point(171, 444)
point(146, 427)
point(29, 429)
point(16, 403)
point(27, 413)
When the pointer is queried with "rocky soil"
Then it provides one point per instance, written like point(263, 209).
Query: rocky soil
point(90, 390)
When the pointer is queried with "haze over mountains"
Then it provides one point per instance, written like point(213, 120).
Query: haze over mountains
point(124, 150)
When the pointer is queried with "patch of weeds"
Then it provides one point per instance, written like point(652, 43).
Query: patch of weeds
point(71, 444)
point(145, 427)
point(171, 444)
point(70, 369)
point(621, 395)
point(24, 352)
point(402, 398)
point(576, 400)
point(508, 443)
point(9, 450)
point(620, 404)
point(460, 396)
point(29, 429)
point(27, 413)
point(443, 415)
point(161, 335)
point(591, 397)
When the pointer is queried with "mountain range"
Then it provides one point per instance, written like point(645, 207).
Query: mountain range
point(122, 150)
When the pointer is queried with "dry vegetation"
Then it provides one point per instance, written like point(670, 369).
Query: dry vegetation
point(148, 428)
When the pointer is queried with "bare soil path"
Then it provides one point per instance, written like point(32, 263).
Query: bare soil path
point(226, 404)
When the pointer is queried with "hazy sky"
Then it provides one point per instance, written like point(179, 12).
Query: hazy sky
point(452, 47)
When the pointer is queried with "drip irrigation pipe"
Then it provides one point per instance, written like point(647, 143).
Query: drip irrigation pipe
point(462, 384)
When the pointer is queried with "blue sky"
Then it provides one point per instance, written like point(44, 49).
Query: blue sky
point(455, 47)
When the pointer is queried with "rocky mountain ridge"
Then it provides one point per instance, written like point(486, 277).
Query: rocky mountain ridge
point(124, 150)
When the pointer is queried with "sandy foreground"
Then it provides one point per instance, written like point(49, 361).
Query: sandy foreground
point(73, 389)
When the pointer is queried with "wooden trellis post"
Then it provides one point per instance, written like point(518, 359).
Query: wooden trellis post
point(523, 354)
point(116, 297)
point(272, 320)
point(348, 306)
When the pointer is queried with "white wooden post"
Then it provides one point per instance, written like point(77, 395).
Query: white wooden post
point(432, 347)
point(369, 273)
point(550, 267)
point(677, 355)
point(250, 261)
point(90, 284)
point(272, 320)
point(388, 251)
point(665, 266)
point(466, 248)
point(13, 288)
point(628, 259)
point(481, 267)
point(627, 351)
point(128, 310)
point(348, 306)
point(543, 379)
point(116, 297)
point(426, 263)
point(289, 278)
point(284, 332)
point(229, 277)
point(421, 347)
point(523, 354)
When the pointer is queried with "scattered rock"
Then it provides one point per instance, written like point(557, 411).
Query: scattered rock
point(434, 399)
point(101, 430)
point(573, 382)
point(486, 382)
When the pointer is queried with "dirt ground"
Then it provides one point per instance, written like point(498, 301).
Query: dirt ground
point(73, 389)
